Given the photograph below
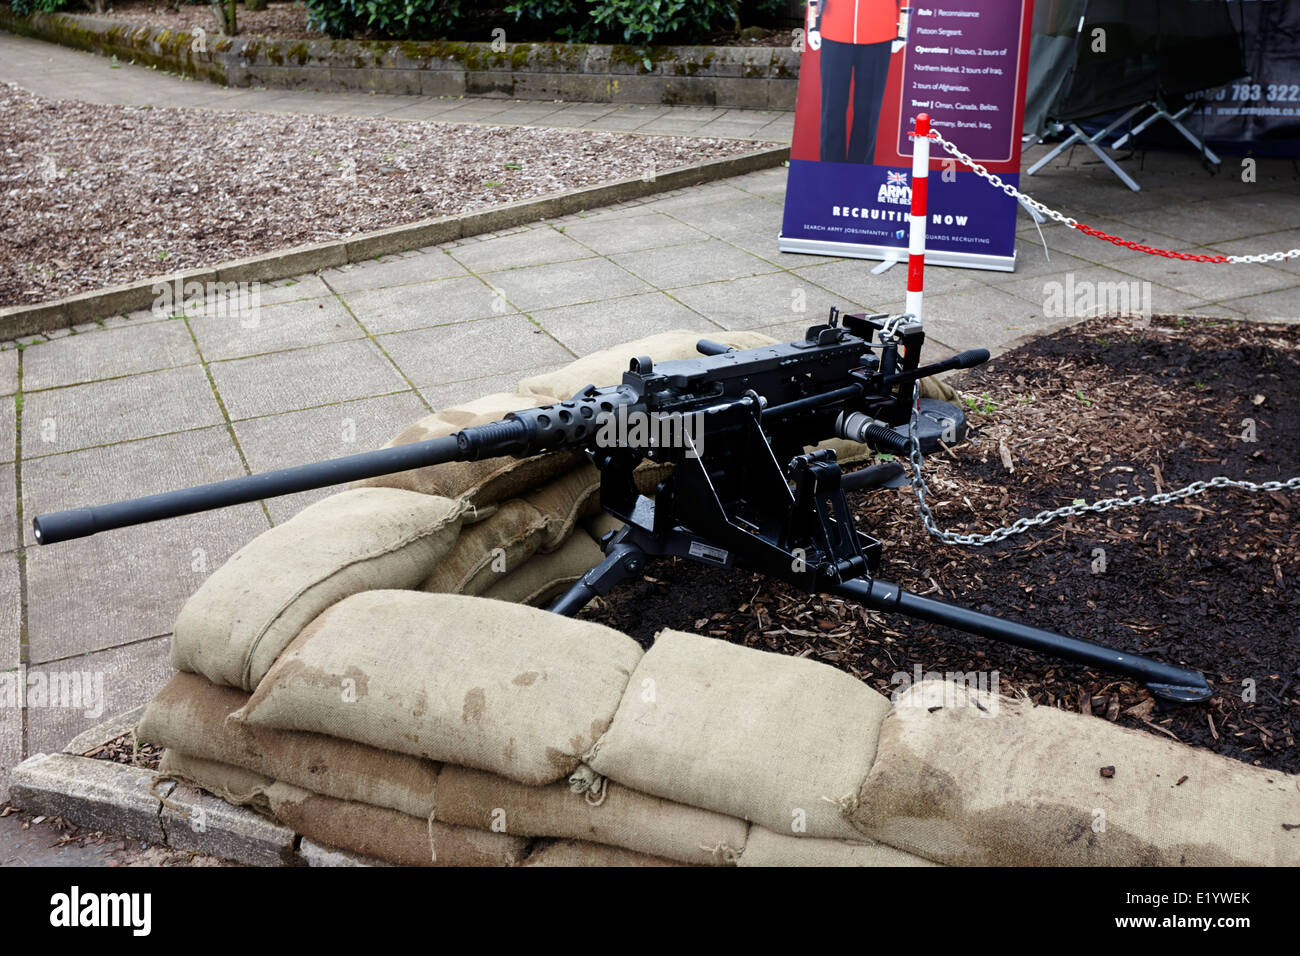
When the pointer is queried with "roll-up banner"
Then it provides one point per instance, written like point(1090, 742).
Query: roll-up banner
point(868, 68)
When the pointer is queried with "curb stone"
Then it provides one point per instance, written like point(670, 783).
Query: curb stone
point(116, 798)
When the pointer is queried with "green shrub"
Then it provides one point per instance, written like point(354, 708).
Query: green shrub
point(640, 21)
point(635, 22)
point(24, 7)
point(401, 19)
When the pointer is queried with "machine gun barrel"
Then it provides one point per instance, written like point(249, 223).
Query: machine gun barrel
point(80, 522)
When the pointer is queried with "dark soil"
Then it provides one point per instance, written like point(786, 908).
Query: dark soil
point(1108, 408)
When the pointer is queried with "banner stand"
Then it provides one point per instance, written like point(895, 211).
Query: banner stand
point(853, 250)
point(868, 70)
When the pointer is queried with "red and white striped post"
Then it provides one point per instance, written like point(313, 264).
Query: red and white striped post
point(916, 240)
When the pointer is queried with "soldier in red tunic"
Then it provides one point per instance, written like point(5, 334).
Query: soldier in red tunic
point(856, 39)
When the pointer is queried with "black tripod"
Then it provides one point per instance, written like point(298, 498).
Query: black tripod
point(799, 528)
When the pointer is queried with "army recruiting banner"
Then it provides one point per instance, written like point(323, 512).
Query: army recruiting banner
point(868, 68)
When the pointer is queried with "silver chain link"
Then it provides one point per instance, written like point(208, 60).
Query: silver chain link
point(1044, 517)
point(1033, 203)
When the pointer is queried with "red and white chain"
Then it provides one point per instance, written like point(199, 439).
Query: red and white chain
point(1032, 203)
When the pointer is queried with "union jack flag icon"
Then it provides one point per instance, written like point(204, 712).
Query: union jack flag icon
point(896, 179)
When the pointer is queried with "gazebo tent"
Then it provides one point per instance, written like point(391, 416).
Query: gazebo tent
point(1237, 64)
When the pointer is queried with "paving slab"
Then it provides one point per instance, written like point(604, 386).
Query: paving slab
point(488, 346)
point(672, 267)
point(331, 431)
point(760, 301)
point(450, 394)
point(107, 353)
point(11, 747)
point(392, 271)
point(1283, 241)
point(444, 302)
point(82, 691)
point(1214, 282)
point(584, 329)
point(856, 279)
point(983, 316)
point(557, 284)
point(9, 538)
point(119, 409)
point(302, 378)
point(8, 429)
point(1281, 306)
point(1216, 220)
point(274, 328)
point(632, 234)
point(8, 371)
point(518, 250)
point(10, 613)
point(127, 585)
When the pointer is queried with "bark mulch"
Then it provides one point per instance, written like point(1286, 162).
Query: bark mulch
point(1108, 408)
point(94, 196)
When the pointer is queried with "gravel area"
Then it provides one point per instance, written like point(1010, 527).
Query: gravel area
point(94, 196)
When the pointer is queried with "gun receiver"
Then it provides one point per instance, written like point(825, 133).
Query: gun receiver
point(743, 492)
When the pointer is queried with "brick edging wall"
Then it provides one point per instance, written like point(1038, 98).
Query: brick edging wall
point(729, 77)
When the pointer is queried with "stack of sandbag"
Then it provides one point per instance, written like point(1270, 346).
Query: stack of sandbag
point(421, 729)
point(967, 778)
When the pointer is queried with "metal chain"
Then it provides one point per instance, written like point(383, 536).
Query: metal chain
point(1033, 203)
point(1044, 517)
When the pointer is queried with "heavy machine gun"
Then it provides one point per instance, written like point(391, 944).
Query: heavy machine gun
point(744, 492)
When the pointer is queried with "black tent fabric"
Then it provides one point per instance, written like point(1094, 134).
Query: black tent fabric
point(1260, 115)
point(1051, 57)
point(1160, 50)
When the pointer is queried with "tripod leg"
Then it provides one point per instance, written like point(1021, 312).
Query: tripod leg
point(1175, 684)
point(622, 562)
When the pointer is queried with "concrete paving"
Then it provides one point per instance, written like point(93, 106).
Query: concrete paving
point(339, 361)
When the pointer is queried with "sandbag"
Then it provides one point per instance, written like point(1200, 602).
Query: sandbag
point(780, 741)
point(607, 366)
point(389, 835)
point(579, 853)
point(232, 629)
point(485, 684)
point(765, 848)
point(479, 482)
point(189, 715)
point(235, 785)
point(564, 501)
point(1012, 784)
point(937, 388)
point(489, 550)
point(546, 576)
point(618, 817)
